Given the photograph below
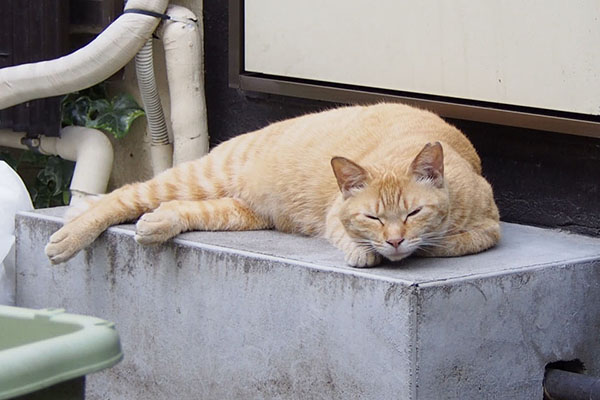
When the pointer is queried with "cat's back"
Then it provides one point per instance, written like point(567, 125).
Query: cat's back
point(361, 133)
point(398, 126)
point(301, 148)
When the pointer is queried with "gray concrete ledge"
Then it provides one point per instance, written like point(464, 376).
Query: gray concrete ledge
point(229, 315)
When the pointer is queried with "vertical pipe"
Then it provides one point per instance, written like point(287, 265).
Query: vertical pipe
point(162, 149)
point(182, 40)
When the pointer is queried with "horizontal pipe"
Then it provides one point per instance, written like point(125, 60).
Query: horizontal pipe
point(12, 139)
point(564, 385)
point(89, 148)
point(95, 62)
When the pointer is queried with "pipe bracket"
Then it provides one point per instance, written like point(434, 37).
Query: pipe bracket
point(32, 143)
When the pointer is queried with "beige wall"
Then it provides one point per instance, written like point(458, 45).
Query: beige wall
point(132, 153)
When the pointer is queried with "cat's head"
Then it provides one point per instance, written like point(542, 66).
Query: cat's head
point(394, 211)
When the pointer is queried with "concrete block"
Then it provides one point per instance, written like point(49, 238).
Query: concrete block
point(261, 315)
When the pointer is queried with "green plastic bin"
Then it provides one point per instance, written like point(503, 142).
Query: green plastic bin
point(47, 353)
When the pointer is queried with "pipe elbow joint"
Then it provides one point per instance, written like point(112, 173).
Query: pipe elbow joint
point(93, 153)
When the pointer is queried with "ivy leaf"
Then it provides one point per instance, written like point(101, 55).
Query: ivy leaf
point(117, 117)
point(51, 178)
point(90, 108)
point(75, 112)
point(96, 109)
point(66, 197)
point(52, 183)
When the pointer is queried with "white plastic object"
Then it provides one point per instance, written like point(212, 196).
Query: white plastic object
point(13, 198)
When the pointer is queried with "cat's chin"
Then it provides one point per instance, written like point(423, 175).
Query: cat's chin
point(397, 256)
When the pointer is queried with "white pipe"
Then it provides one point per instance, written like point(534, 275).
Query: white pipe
point(182, 40)
point(161, 157)
point(161, 150)
point(12, 139)
point(89, 148)
point(93, 155)
point(101, 58)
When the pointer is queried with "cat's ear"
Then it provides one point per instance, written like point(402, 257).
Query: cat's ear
point(350, 176)
point(428, 165)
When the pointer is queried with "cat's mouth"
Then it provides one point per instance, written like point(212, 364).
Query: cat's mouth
point(399, 253)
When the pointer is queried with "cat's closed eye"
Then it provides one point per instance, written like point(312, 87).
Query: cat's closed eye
point(373, 218)
point(414, 212)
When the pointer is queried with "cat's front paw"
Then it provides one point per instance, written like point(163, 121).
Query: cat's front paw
point(158, 226)
point(66, 242)
point(359, 258)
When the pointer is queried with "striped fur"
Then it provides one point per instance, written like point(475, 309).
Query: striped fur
point(280, 177)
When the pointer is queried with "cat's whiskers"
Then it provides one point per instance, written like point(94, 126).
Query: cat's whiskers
point(432, 239)
point(433, 244)
point(426, 250)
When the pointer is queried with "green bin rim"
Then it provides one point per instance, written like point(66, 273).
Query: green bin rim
point(92, 345)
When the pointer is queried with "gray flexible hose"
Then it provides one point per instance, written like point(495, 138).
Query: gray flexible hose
point(144, 67)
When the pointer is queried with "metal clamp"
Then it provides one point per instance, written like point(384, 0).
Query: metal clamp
point(32, 143)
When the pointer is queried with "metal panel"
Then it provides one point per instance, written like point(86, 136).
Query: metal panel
point(469, 109)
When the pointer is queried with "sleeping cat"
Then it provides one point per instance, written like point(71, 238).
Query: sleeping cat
point(385, 180)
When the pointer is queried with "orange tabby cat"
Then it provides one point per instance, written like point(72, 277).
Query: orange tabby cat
point(403, 182)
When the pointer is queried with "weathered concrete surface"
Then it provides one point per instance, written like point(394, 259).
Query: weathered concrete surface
point(268, 315)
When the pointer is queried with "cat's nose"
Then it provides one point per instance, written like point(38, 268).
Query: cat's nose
point(395, 242)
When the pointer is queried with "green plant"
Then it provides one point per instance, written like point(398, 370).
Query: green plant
point(47, 178)
point(91, 108)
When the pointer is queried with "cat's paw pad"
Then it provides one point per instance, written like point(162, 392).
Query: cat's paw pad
point(360, 258)
point(63, 245)
point(157, 226)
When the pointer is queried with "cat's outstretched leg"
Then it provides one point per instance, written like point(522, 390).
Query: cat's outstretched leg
point(82, 230)
point(186, 181)
point(174, 217)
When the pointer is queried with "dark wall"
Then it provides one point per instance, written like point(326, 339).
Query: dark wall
point(539, 178)
point(32, 31)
